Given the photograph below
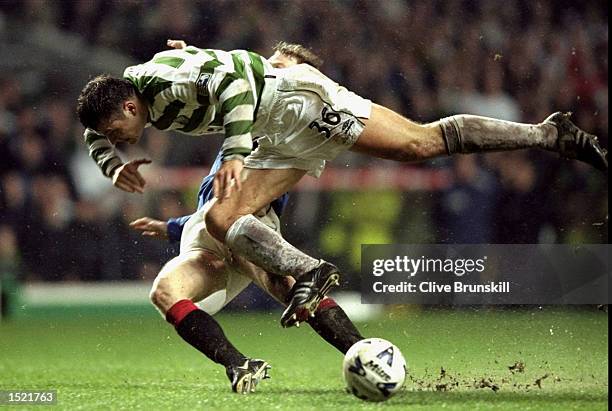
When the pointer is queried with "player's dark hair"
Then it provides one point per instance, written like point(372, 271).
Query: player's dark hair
point(300, 53)
point(101, 98)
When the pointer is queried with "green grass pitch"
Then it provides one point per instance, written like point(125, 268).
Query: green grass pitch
point(458, 360)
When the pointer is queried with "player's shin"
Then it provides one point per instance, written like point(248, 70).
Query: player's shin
point(266, 248)
point(334, 326)
point(202, 331)
point(474, 134)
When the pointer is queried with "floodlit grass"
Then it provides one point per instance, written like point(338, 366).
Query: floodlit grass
point(109, 361)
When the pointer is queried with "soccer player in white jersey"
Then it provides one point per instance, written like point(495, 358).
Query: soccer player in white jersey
point(301, 119)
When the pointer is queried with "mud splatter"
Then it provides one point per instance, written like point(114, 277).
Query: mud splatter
point(538, 382)
point(518, 366)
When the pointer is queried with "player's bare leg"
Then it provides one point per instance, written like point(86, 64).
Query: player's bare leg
point(231, 222)
point(391, 136)
point(192, 277)
point(386, 135)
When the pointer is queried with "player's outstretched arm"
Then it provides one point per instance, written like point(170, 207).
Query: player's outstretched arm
point(151, 227)
point(170, 230)
point(128, 178)
point(125, 176)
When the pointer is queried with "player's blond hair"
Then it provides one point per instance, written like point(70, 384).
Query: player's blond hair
point(300, 53)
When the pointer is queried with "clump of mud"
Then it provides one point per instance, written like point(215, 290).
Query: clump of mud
point(446, 381)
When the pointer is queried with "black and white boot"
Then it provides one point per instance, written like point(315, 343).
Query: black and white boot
point(244, 378)
point(575, 143)
point(308, 291)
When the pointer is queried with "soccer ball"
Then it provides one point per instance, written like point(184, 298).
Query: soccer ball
point(374, 369)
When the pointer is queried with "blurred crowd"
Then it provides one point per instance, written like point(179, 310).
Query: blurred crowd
point(516, 60)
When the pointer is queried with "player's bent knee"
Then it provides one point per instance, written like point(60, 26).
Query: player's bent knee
point(218, 223)
point(162, 296)
point(191, 276)
point(165, 291)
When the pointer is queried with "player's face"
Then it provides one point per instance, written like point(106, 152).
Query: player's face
point(123, 130)
point(127, 128)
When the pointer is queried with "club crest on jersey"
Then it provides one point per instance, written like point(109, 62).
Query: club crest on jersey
point(347, 126)
point(202, 83)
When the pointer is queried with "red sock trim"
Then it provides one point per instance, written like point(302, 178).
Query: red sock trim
point(326, 304)
point(179, 310)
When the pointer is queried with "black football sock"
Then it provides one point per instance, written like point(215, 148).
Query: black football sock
point(334, 326)
point(203, 332)
point(466, 134)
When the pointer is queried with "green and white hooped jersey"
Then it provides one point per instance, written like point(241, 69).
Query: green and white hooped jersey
point(199, 91)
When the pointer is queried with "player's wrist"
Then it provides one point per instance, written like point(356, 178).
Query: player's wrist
point(163, 229)
point(238, 157)
point(114, 168)
point(174, 228)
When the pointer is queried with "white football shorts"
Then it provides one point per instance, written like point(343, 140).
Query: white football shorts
point(304, 120)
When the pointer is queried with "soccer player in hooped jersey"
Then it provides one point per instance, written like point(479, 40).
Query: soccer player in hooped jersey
point(207, 273)
point(301, 119)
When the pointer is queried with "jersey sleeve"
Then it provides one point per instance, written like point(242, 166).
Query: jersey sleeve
point(175, 228)
point(236, 99)
point(102, 151)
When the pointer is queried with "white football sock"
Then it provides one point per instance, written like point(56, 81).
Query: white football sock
point(266, 248)
point(466, 133)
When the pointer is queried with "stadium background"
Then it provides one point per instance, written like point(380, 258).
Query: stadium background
point(70, 268)
point(60, 220)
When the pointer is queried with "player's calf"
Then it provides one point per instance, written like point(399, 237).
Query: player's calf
point(267, 249)
point(201, 331)
point(331, 322)
point(189, 278)
point(474, 134)
point(391, 136)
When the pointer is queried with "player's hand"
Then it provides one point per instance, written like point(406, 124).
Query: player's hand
point(227, 178)
point(151, 227)
point(128, 178)
point(176, 44)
